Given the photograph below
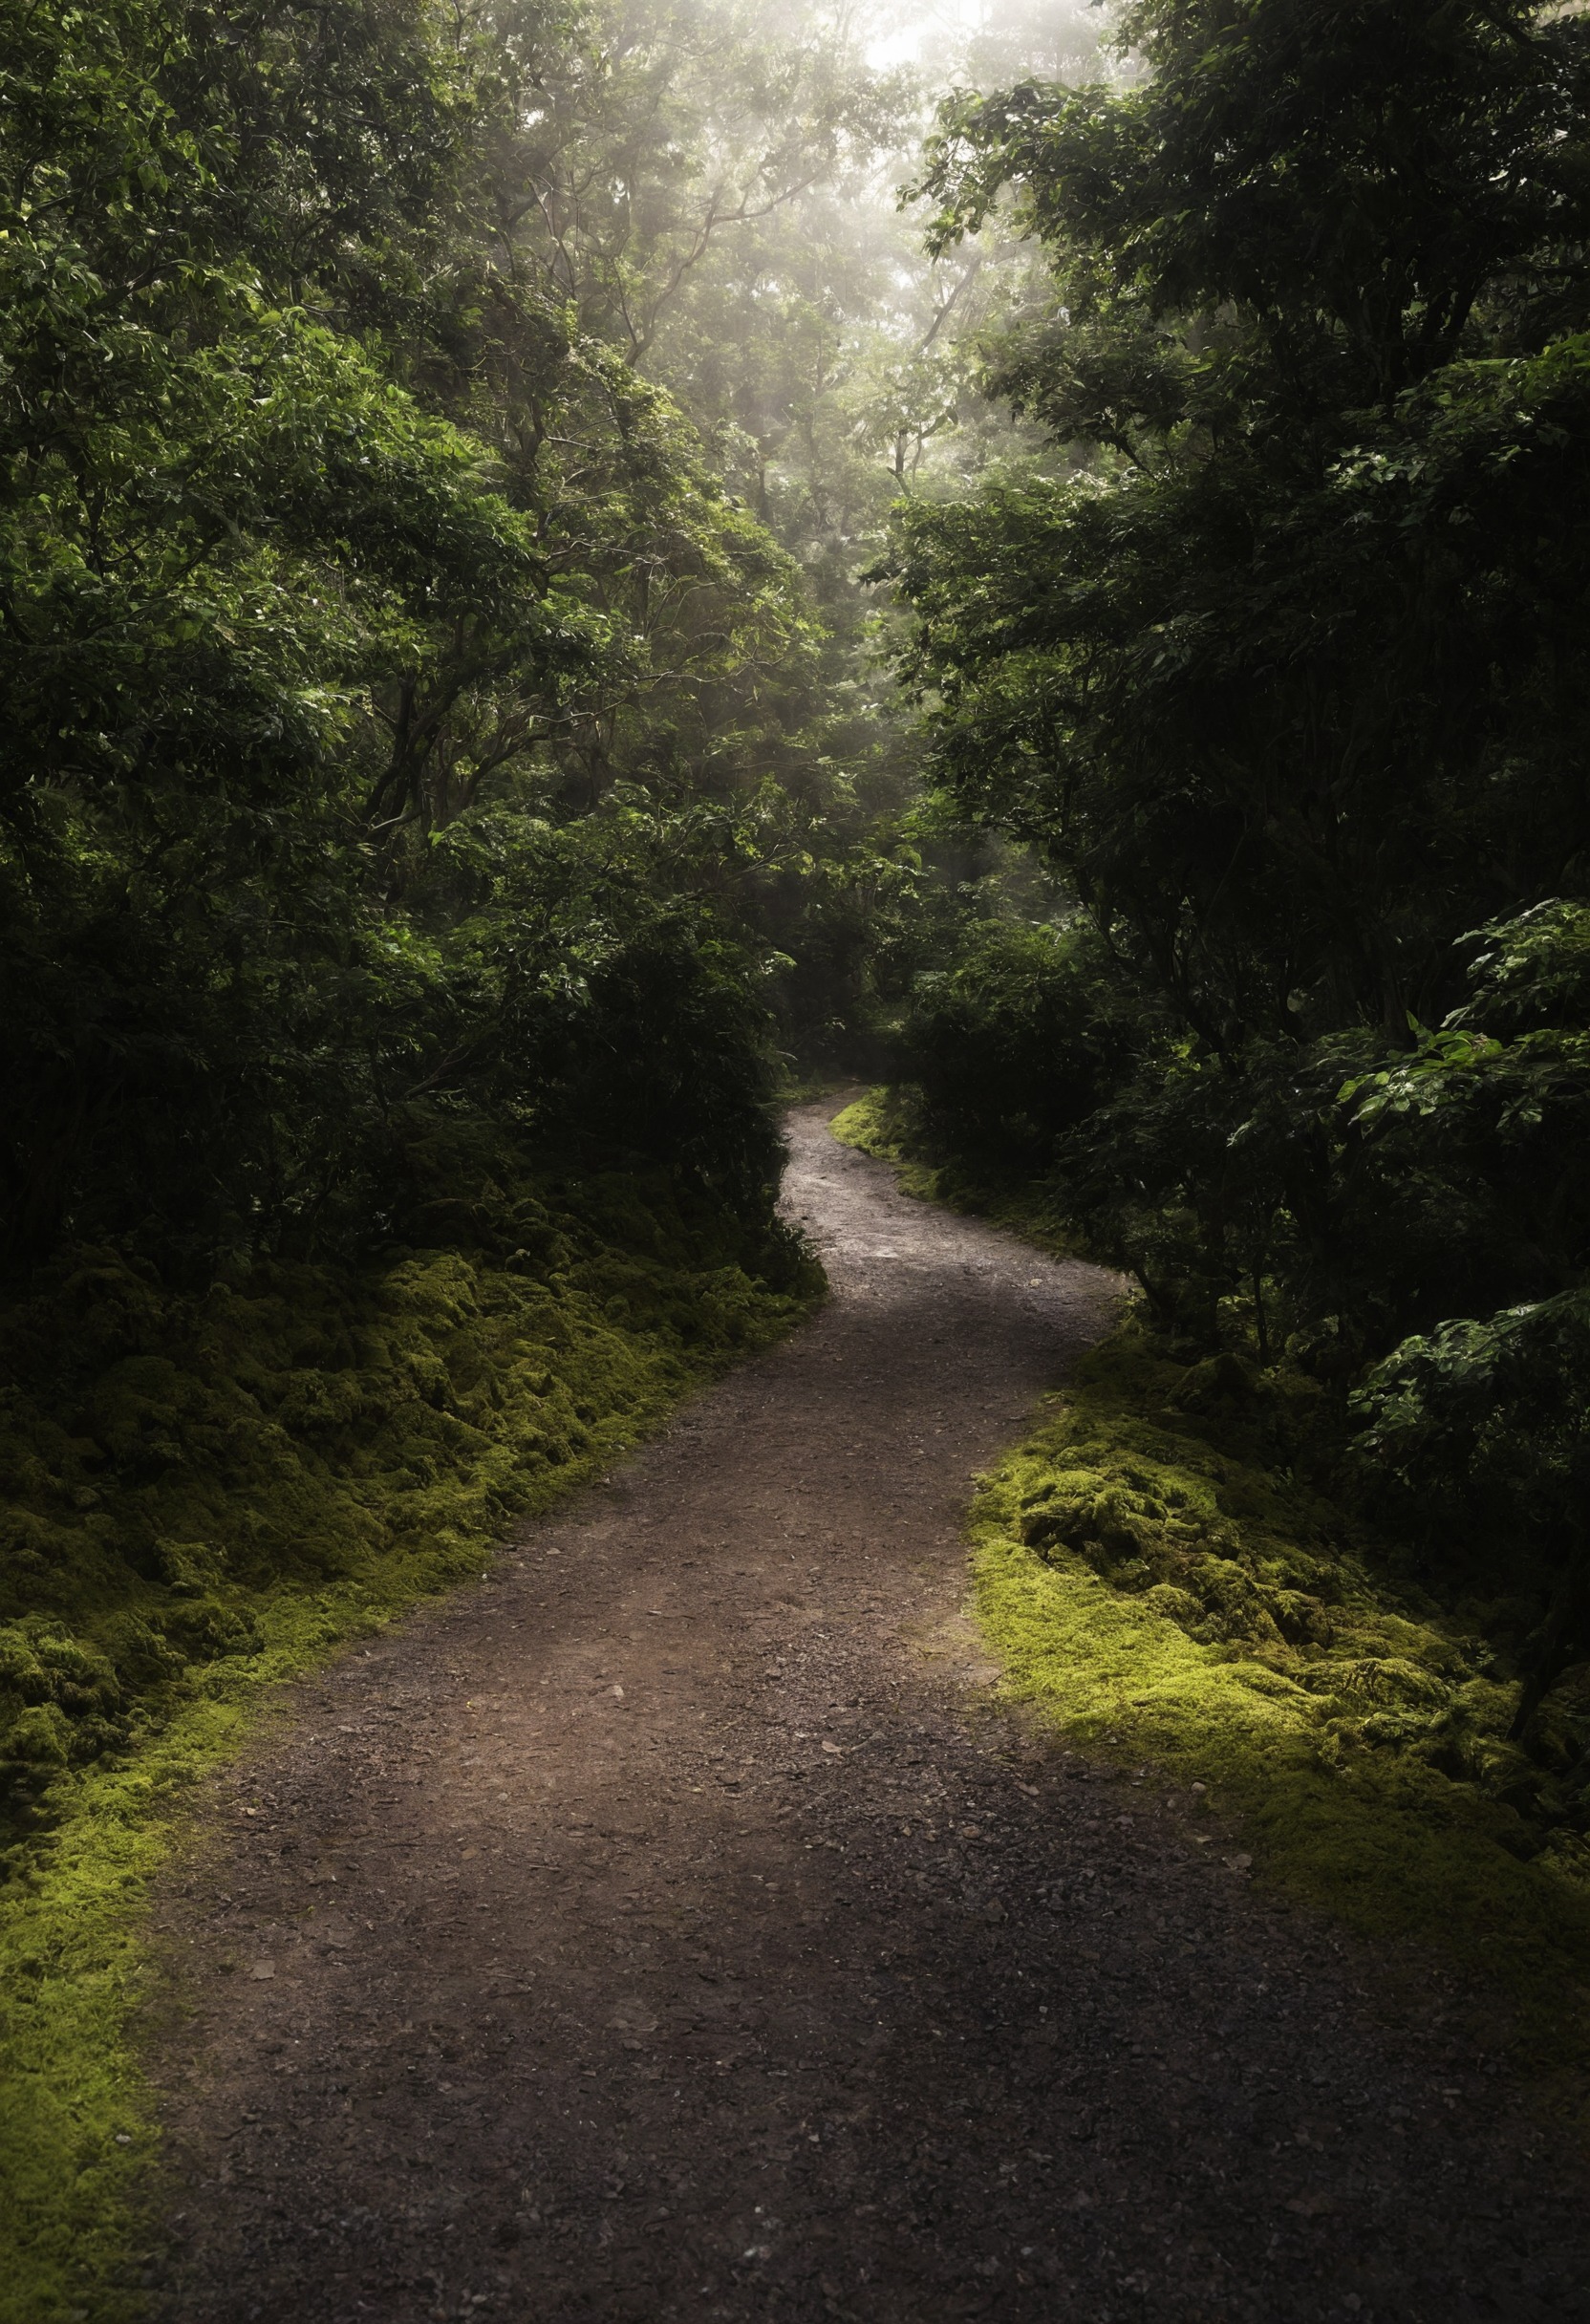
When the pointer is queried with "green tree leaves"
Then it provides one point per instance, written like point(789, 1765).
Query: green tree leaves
point(322, 527)
point(1287, 678)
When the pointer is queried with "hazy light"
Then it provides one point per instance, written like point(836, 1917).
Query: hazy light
point(901, 34)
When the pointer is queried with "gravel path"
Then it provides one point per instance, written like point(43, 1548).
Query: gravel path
point(673, 1928)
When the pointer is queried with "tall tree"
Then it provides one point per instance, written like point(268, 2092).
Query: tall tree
point(1289, 676)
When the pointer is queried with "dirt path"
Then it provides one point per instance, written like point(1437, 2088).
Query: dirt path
point(671, 1928)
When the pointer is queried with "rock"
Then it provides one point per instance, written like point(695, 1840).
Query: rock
point(632, 2015)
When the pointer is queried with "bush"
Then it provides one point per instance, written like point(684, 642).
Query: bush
point(1021, 1038)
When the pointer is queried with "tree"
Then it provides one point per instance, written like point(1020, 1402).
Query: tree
point(318, 534)
point(1285, 673)
point(1285, 677)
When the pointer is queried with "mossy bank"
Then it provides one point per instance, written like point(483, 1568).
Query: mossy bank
point(204, 1495)
point(886, 1124)
point(1158, 1581)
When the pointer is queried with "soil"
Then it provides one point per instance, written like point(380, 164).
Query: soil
point(676, 1927)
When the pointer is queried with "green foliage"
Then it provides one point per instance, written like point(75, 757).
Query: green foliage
point(713, 194)
point(324, 535)
point(1486, 1425)
point(1289, 676)
point(1019, 1039)
point(1286, 676)
point(1150, 672)
point(680, 130)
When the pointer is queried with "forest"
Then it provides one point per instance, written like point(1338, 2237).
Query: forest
point(455, 780)
point(575, 571)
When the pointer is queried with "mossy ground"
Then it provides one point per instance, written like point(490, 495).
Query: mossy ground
point(203, 1496)
point(1158, 1583)
point(883, 1123)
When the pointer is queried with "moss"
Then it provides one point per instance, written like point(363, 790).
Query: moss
point(1158, 1594)
point(885, 1123)
point(202, 1496)
point(1159, 1582)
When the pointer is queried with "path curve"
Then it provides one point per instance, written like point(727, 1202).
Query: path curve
point(673, 1927)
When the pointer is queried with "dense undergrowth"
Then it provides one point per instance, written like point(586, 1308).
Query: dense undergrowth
point(1159, 1576)
point(886, 1123)
point(204, 1495)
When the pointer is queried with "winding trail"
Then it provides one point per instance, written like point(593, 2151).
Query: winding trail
point(675, 1927)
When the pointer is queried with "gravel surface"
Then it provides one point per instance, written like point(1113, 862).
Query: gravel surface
point(674, 1927)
